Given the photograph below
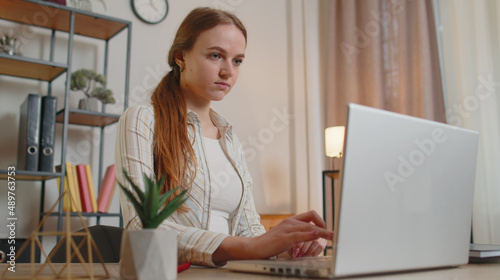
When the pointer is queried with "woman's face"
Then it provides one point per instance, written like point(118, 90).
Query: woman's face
point(212, 66)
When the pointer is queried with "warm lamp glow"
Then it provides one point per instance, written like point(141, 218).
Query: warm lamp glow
point(334, 141)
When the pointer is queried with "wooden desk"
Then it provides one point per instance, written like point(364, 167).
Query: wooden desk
point(472, 271)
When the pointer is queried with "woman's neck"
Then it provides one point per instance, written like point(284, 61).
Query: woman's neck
point(202, 110)
point(207, 126)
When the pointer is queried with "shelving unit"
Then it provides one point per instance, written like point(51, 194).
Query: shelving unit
point(73, 22)
point(31, 175)
point(18, 66)
point(87, 118)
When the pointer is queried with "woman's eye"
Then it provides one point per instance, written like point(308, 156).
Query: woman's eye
point(238, 61)
point(215, 56)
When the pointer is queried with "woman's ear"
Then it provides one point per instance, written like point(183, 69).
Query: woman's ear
point(179, 59)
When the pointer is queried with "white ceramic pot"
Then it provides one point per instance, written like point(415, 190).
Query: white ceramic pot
point(149, 254)
point(89, 104)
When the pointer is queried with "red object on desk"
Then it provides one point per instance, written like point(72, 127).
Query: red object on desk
point(183, 267)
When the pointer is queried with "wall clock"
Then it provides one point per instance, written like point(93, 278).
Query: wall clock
point(150, 11)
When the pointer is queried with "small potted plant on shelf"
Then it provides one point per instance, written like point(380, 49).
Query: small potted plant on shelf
point(150, 253)
point(10, 43)
point(87, 81)
point(84, 4)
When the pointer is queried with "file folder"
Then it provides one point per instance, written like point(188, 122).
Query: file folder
point(29, 133)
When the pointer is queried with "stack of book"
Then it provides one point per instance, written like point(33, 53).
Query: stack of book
point(82, 196)
point(484, 253)
point(37, 128)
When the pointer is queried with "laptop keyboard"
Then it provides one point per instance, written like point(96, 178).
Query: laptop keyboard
point(309, 262)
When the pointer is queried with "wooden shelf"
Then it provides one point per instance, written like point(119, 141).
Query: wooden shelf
point(86, 214)
point(83, 117)
point(24, 67)
point(54, 16)
point(30, 175)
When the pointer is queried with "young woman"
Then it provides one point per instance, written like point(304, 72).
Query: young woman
point(178, 136)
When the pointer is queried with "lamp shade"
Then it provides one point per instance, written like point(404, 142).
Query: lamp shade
point(334, 141)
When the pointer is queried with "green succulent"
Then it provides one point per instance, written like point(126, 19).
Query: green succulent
point(84, 79)
point(150, 205)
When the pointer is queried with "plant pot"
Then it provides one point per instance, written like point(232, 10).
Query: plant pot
point(90, 104)
point(149, 254)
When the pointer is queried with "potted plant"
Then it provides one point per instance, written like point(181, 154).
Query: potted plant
point(87, 81)
point(84, 4)
point(150, 253)
point(10, 43)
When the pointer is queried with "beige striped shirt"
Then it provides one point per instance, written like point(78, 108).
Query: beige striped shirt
point(134, 153)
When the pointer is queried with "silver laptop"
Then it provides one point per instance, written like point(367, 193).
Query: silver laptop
point(405, 203)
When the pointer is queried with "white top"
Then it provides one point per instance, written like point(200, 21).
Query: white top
point(226, 187)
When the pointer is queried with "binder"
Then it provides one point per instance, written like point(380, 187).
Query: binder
point(29, 133)
point(48, 133)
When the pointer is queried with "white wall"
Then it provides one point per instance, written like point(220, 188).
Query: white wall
point(278, 78)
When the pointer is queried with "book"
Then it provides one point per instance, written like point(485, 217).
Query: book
point(47, 133)
point(75, 198)
point(111, 195)
point(83, 186)
point(107, 189)
point(66, 198)
point(29, 133)
point(484, 250)
point(77, 188)
point(90, 181)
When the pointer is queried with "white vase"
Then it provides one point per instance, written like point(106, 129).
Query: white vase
point(149, 254)
point(89, 104)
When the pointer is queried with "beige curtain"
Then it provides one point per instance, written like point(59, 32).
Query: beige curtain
point(471, 44)
point(383, 54)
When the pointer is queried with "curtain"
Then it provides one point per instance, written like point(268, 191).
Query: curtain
point(383, 54)
point(470, 40)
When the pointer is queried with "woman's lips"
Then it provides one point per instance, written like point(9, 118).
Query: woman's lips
point(222, 85)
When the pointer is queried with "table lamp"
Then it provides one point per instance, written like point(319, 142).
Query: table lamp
point(334, 141)
point(334, 145)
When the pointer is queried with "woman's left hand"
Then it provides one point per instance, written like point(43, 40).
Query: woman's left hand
point(308, 249)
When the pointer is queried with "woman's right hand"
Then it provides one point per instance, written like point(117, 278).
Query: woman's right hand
point(304, 227)
point(292, 230)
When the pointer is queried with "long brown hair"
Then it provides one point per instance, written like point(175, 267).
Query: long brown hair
point(174, 156)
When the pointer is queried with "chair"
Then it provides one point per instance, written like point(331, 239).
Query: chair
point(107, 239)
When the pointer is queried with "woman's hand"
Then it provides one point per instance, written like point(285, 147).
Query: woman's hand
point(303, 232)
point(308, 249)
point(302, 228)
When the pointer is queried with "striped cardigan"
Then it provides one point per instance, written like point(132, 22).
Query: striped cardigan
point(134, 153)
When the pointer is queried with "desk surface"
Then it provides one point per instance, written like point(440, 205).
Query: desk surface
point(471, 271)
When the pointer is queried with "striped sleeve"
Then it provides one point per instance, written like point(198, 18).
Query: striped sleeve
point(134, 154)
